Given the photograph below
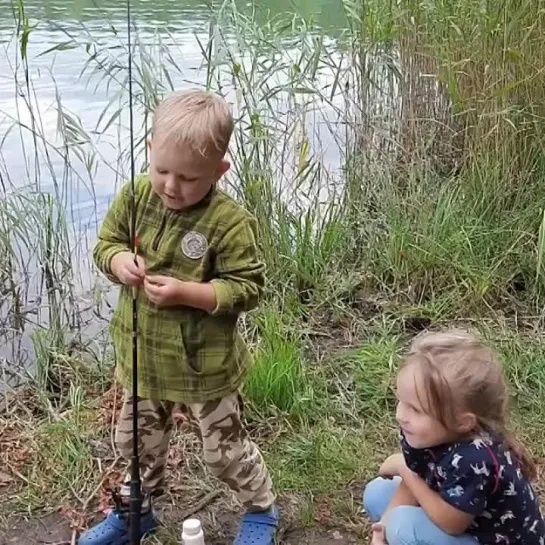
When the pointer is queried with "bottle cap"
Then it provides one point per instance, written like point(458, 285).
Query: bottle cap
point(192, 527)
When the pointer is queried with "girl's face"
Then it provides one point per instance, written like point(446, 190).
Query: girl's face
point(420, 428)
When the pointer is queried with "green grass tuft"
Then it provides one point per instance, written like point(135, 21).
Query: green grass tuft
point(278, 377)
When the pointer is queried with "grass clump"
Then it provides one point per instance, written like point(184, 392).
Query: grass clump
point(278, 379)
point(64, 466)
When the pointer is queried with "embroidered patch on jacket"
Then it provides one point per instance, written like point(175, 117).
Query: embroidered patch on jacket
point(194, 245)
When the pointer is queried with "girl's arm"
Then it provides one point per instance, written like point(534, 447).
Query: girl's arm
point(445, 516)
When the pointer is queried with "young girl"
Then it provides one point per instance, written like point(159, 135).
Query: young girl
point(461, 478)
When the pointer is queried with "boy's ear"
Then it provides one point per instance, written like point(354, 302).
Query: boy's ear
point(224, 166)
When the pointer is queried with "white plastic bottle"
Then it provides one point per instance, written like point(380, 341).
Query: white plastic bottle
point(192, 533)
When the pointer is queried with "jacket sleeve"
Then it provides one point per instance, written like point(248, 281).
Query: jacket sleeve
point(114, 234)
point(240, 274)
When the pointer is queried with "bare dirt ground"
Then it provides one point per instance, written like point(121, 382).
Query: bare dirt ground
point(55, 530)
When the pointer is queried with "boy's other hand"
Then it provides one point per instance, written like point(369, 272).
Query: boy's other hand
point(126, 270)
point(164, 291)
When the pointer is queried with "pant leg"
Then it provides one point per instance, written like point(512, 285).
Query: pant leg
point(377, 496)
point(405, 525)
point(154, 431)
point(409, 525)
point(230, 454)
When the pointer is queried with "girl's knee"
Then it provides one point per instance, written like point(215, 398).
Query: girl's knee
point(377, 495)
point(372, 491)
point(404, 526)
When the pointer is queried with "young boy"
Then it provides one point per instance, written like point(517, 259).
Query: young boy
point(198, 269)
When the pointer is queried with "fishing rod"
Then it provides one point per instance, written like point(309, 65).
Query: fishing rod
point(192, 532)
point(135, 484)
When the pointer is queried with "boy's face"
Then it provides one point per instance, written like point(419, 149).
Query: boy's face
point(182, 177)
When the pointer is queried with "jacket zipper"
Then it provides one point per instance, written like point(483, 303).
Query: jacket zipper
point(159, 235)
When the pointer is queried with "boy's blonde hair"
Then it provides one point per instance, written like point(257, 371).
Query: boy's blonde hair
point(194, 117)
point(461, 374)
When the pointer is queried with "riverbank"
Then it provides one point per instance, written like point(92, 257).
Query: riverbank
point(58, 460)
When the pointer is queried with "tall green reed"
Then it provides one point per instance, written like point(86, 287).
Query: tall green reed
point(39, 275)
point(455, 210)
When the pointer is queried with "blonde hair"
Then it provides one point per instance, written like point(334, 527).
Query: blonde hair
point(196, 117)
point(461, 374)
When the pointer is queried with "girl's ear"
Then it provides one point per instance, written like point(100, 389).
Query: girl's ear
point(467, 422)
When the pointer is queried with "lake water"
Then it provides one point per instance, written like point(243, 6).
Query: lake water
point(55, 84)
point(182, 26)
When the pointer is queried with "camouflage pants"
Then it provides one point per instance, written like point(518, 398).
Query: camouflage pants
point(229, 452)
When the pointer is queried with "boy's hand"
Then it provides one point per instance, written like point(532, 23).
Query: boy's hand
point(392, 466)
point(378, 537)
point(125, 269)
point(164, 291)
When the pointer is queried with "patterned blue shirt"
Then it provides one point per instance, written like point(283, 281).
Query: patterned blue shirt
point(482, 478)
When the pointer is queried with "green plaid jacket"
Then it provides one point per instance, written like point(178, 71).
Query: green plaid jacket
point(184, 354)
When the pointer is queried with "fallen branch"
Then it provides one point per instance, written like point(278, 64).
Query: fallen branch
point(200, 505)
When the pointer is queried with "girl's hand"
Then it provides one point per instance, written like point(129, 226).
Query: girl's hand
point(164, 291)
point(378, 537)
point(392, 466)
